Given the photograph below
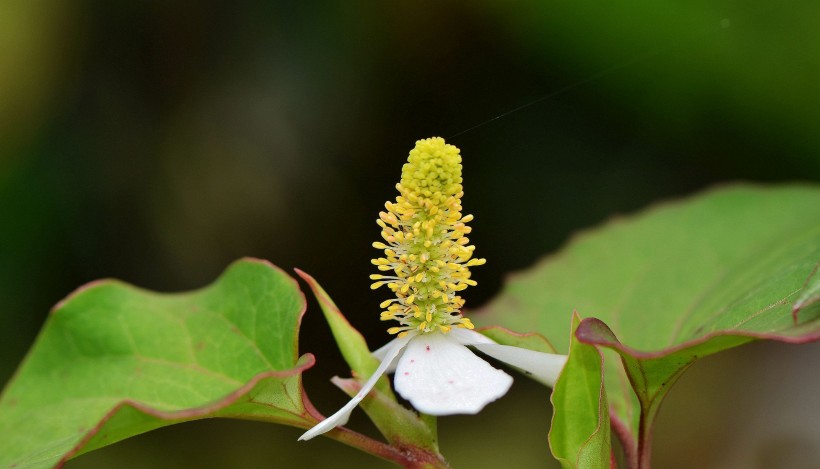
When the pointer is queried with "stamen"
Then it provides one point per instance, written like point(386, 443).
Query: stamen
point(428, 249)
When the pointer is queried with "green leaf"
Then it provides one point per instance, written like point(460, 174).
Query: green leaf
point(810, 295)
point(579, 435)
point(673, 284)
point(113, 361)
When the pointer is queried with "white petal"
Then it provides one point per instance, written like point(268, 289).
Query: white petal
point(439, 376)
point(468, 337)
point(382, 351)
point(341, 416)
point(544, 367)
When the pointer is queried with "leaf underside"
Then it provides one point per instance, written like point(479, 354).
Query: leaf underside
point(675, 283)
point(114, 361)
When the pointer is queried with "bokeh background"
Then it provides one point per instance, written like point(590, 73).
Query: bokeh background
point(157, 141)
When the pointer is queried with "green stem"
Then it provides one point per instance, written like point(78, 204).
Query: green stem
point(432, 424)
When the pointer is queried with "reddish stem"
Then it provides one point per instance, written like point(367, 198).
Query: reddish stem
point(410, 457)
point(624, 435)
point(645, 443)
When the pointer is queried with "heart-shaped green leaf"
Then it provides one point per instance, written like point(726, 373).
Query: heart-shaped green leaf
point(579, 435)
point(675, 283)
point(114, 361)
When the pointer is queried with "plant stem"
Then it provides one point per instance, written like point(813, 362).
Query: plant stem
point(410, 457)
point(432, 424)
point(645, 443)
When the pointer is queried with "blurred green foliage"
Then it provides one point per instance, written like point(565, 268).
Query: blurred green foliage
point(158, 141)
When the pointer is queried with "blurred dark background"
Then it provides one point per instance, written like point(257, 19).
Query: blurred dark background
point(157, 141)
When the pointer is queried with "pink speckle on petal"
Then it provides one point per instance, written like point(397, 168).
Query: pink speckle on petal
point(428, 348)
point(413, 360)
point(406, 373)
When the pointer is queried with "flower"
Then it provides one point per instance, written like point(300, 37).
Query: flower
point(428, 257)
point(427, 251)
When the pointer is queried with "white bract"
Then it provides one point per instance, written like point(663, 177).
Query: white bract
point(439, 375)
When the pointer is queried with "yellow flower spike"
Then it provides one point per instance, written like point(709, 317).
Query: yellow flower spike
point(426, 248)
point(425, 243)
